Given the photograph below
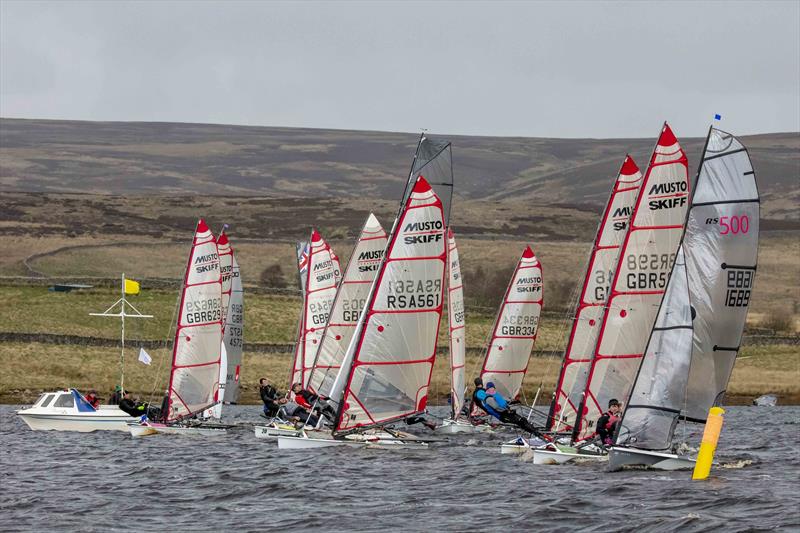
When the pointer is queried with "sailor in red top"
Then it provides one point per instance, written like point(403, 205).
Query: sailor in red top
point(308, 400)
point(607, 424)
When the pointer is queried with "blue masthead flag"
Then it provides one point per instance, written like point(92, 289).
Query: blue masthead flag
point(717, 117)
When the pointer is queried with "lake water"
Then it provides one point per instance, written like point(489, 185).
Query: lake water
point(108, 481)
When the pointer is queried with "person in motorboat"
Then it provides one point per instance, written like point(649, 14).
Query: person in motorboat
point(608, 422)
point(313, 402)
point(116, 397)
point(496, 405)
point(92, 398)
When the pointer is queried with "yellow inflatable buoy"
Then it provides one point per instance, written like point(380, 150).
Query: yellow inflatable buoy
point(708, 446)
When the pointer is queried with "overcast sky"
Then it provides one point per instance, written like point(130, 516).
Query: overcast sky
point(566, 69)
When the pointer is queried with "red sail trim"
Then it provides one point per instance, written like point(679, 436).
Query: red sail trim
point(666, 139)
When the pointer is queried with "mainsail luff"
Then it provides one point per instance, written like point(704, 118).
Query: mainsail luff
point(640, 279)
point(347, 305)
point(515, 328)
point(373, 393)
point(456, 323)
point(720, 244)
point(198, 332)
point(603, 259)
point(233, 338)
point(320, 290)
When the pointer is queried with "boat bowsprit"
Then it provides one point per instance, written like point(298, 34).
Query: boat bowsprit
point(67, 410)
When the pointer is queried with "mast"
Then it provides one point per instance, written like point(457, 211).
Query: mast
point(456, 322)
point(347, 305)
point(603, 258)
point(640, 279)
point(515, 327)
point(715, 280)
point(122, 313)
point(196, 354)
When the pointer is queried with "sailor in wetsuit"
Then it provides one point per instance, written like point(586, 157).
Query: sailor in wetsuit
point(477, 412)
point(608, 421)
point(496, 405)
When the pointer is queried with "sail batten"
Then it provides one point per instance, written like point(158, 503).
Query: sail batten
point(515, 327)
point(194, 377)
point(639, 280)
point(603, 258)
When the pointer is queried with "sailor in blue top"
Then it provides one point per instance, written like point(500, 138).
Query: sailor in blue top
point(496, 405)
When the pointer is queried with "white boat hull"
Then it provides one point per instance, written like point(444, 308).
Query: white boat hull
point(80, 422)
point(558, 457)
point(620, 457)
point(452, 427)
point(371, 439)
point(146, 430)
point(275, 431)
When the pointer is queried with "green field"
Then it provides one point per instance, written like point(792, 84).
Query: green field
point(269, 319)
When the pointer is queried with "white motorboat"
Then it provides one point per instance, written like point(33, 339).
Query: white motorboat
point(67, 410)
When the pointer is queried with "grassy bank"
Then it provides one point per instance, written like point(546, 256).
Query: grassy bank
point(32, 368)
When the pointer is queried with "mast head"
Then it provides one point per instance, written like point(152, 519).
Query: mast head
point(629, 166)
point(421, 185)
point(527, 253)
point(315, 236)
point(222, 240)
point(202, 227)
point(667, 138)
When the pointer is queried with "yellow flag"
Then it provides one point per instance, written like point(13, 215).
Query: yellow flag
point(131, 287)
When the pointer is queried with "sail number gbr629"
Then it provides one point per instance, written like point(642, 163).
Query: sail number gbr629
point(414, 294)
point(203, 311)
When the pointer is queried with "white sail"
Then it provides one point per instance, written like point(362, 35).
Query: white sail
point(515, 328)
point(603, 261)
point(394, 349)
point(456, 321)
point(233, 339)
point(320, 289)
point(196, 351)
point(645, 261)
point(350, 300)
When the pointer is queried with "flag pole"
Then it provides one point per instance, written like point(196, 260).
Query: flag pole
point(122, 352)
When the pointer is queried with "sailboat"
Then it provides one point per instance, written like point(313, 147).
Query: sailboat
point(515, 328)
point(639, 281)
point(692, 349)
point(589, 310)
point(456, 423)
point(194, 376)
point(385, 374)
point(345, 310)
point(319, 272)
